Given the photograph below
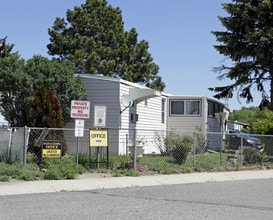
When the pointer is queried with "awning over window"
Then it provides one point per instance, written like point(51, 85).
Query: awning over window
point(139, 94)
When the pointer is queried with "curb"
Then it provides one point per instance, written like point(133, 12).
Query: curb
point(89, 182)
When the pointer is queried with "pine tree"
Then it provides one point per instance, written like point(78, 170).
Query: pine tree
point(5, 48)
point(248, 43)
point(93, 38)
point(46, 110)
point(46, 113)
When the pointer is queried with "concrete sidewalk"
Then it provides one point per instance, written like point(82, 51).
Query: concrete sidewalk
point(91, 181)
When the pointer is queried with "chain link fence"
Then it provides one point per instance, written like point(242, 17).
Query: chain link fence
point(154, 150)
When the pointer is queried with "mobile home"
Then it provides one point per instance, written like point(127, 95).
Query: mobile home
point(134, 113)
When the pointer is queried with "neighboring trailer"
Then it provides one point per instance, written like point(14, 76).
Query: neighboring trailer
point(194, 113)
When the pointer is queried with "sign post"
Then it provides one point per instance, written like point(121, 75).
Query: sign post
point(99, 138)
point(79, 132)
point(79, 110)
point(99, 122)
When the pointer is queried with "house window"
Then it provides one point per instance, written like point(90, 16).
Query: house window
point(163, 103)
point(214, 108)
point(185, 107)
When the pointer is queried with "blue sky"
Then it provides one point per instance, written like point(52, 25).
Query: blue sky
point(178, 32)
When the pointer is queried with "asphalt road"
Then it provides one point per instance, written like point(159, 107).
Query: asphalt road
point(248, 199)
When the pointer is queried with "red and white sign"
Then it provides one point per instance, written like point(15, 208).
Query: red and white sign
point(80, 109)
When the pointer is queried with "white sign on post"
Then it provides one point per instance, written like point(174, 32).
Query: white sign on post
point(80, 109)
point(79, 128)
point(99, 116)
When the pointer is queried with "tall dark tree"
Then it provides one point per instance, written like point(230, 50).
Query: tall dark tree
point(5, 48)
point(46, 110)
point(248, 43)
point(93, 38)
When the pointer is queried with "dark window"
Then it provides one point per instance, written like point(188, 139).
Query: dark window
point(163, 101)
point(214, 108)
point(185, 107)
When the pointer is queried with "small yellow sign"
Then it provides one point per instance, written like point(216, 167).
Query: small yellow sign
point(52, 153)
point(98, 138)
point(52, 149)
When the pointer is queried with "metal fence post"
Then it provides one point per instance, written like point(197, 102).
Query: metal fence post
point(77, 156)
point(135, 151)
point(25, 146)
point(241, 150)
point(221, 148)
point(9, 145)
point(194, 149)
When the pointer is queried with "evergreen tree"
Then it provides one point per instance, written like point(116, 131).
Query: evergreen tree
point(93, 38)
point(248, 43)
point(46, 110)
point(5, 48)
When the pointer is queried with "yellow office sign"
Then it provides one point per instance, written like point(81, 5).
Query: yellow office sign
point(98, 138)
point(52, 149)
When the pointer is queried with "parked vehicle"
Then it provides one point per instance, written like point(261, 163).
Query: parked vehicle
point(237, 138)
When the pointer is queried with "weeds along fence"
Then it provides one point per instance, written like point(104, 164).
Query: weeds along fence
point(188, 149)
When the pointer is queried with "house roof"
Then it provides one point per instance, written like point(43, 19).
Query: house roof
point(137, 92)
point(112, 79)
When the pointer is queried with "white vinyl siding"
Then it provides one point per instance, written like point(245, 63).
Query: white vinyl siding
point(149, 121)
point(150, 115)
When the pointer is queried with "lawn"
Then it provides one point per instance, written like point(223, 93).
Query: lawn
point(66, 167)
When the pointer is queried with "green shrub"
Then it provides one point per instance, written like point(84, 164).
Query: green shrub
point(253, 156)
point(4, 178)
point(64, 168)
point(4, 156)
point(168, 143)
point(120, 161)
point(10, 157)
point(182, 147)
point(84, 160)
point(121, 172)
point(157, 163)
point(26, 172)
point(53, 174)
point(30, 172)
point(202, 140)
point(186, 169)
